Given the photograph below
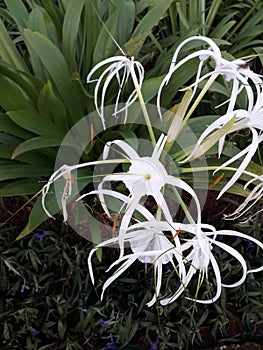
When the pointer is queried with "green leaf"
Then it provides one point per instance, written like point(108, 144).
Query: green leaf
point(9, 52)
point(29, 84)
point(11, 96)
point(135, 43)
point(182, 75)
point(6, 151)
point(150, 88)
point(40, 21)
point(55, 65)
point(51, 106)
point(9, 140)
point(31, 120)
point(36, 143)
point(38, 216)
point(120, 23)
point(213, 10)
point(55, 14)
point(152, 18)
point(62, 326)
point(18, 11)
point(70, 31)
point(10, 266)
point(21, 188)
point(15, 171)
point(223, 27)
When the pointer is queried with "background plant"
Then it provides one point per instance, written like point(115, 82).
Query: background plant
point(47, 48)
point(48, 300)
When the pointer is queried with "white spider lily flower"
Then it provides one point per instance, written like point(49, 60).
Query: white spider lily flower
point(146, 176)
point(254, 196)
point(251, 119)
point(120, 67)
point(62, 172)
point(65, 173)
point(201, 258)
point(149, 245)
point(237, 71)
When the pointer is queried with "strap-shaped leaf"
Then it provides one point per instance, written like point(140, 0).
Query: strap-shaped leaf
point(56, 67)
point(9, 127)
point(11, 96)
point(120, 23)
point(70, 31)
point(21, 188)
point(20, 170)
point(149, 21)
point(38, 216)
point(36, 143)
point(51, 106)
point(18, 11)
point(40, 21)
point(27, 82)
point(31, 120)
point(9, 52)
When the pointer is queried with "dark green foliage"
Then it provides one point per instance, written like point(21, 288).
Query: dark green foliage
point(48, 300)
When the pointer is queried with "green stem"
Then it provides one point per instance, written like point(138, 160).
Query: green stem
point(214, 167)
point(143, 106)
point(200, 96)
point(183, 205)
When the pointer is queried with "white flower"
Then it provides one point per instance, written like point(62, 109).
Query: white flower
point(201, 257)
point(251, 119)
point(65, 173)
point(237, 71)
point(146, 176)
point(130, 67)
point(254, 196)
point(149, 245)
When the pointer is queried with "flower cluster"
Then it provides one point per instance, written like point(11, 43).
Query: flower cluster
point(187, 248)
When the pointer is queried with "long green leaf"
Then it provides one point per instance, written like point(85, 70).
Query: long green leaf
point(70, 31)
point(18, 11)
point(213, 9)
point(151, 19)
point(38, 216)
point(56, 66)
point(6, 151)
point(11, 95)
point(19, 170)
point(90, 25)
point(31, 120)
point(54, 12)
point(120, 24)
point(51, 106)
point(9, 52)
point(36, 143)
point(9, 127)
point(150, 88)
point(40, 21)
point(28, 83)
point(21, 188)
